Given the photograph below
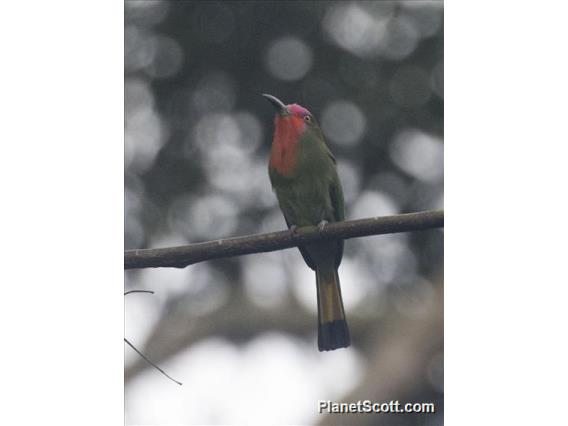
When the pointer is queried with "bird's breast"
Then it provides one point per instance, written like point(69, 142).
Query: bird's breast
point(284, 155)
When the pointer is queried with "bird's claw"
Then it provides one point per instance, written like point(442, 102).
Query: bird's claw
point(322, 224)
point(293, 229)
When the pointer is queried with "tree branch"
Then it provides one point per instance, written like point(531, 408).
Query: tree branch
point(182, 256)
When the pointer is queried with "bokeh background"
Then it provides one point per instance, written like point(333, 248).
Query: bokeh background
point(240, 333)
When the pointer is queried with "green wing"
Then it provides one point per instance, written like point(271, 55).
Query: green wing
point(338, 204)
point(303, 250)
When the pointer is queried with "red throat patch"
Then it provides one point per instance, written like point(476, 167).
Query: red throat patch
point(288, 131)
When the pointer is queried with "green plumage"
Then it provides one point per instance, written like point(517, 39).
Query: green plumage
point(309, 194)
point(313, 192)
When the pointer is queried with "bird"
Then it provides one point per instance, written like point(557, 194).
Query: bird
point(303, 174)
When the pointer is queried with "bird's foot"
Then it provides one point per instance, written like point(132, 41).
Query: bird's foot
point(293, 230)
point(322, 224)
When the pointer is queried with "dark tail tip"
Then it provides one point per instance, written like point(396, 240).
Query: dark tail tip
point(333, 335)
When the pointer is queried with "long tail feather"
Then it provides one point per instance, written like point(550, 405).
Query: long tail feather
point(333, 332)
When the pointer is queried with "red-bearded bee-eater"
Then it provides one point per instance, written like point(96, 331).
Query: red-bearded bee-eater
point(304, 177)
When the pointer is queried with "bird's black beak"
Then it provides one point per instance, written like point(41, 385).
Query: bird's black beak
point(277, 104)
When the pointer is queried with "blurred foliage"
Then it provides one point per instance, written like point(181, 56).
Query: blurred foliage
point(198, 136)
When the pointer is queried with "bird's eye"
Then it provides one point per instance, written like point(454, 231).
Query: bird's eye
point(308, 118)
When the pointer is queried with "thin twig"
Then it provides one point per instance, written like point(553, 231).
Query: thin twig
point(139, 291)
point(151, 363)
point(180, 257)
point(140, 353)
